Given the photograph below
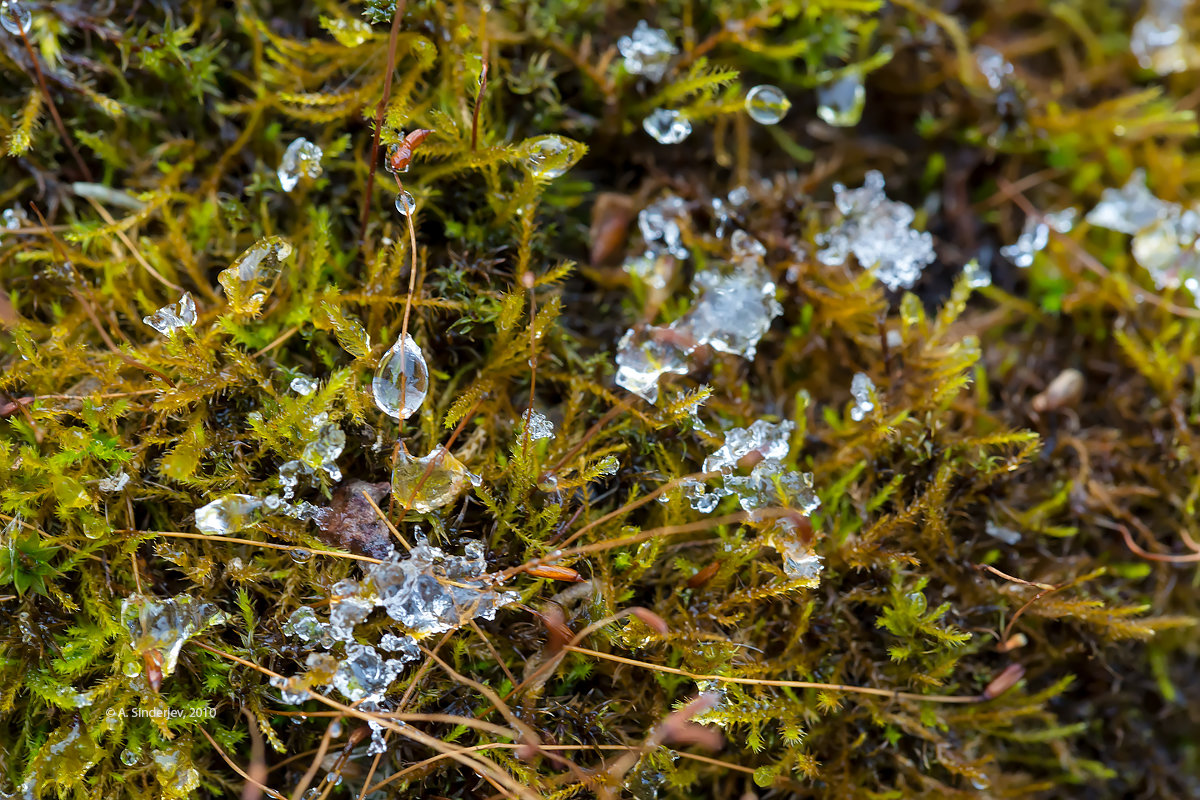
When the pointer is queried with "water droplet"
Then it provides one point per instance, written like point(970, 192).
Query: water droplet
point(128, 757)
point(15, 17)
point(1036, 235)
point(551, 156)
point(132, 668)
point(402, 380)
point(173, 316)
point(767, 104)
point(647, 51)
point(745, 246)
point(841, 103)
point(413, 488)
point(994, 67)
point(666, 126)
point(301, 158)
point(301, 556)
point(228, 514)
point(405, 203)
point(249, 279)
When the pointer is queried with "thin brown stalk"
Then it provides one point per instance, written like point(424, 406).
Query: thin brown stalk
point(58, 123)
point(388, 522)
point(239, 770)
point(272, 545)
point(393, 38)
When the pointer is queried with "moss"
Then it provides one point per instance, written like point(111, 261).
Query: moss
point(927, 657)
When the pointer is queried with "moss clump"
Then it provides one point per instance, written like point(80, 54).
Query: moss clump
point(993, 597)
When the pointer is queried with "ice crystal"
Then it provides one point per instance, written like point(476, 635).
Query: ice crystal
point(877, 231)
point(1130, 208)
point(770, 439)
point(165, 625)
point(304, 625)
point(977, 276)
point(1159, 38)
point(647, 51)
point(228, 514)
point(1006, 535)
point(841, 103)
point(659, 224)
point(734, 310)
point(1036, 235)
point(644, 355)
point(428, 483)
point(653, 268)
point(303, 385)
point(321, 453)
point(173, 315)
point(347, 608)
point(767, 104)
point(863, 390)
point(252, 276)
point(432, 592)
point(994, 67)
point(769, 482)
point(301, 158)
point(364, 675)
point(537, 425)
point(402, 379)
point(666, 126)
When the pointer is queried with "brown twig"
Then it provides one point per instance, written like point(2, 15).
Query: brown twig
point(393, 38)
point(58, 123)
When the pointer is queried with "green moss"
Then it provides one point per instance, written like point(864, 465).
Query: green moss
point(1059, 663)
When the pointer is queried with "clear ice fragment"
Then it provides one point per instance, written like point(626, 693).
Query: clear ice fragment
point(402, 379)
point(734, 310)
point(173, 316)
point(252, 276)
point(1159, 39)
point(1130, 208)
point(659, 224)
point(228, 514)
point(322, 452)
point(643, 355)
point(767, 104)
point(653, 268)
point(994, 67)
point(877, 232)
point(302, 158)
point(863, 390)
point(1006, 535)
point(666, 126)
point(841, 103)
point(303, 385)
point(647, 51)
point(114, 483)
point(537, 425)
point(977, 276)
point(424, 484)
point(1036, 235)
point(165, 625)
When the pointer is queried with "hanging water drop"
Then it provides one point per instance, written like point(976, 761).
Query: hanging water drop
point(402, 380)
point(841, 103)
point(301, 158)
point(405, 203)
point(15, 17)
point(424, 484)
point(551, 156)
point(667, 127)
point(249, 279)
point(767, 104)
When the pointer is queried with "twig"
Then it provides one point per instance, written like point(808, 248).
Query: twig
point(237, 769)
point(393, 37)
point(62, 129)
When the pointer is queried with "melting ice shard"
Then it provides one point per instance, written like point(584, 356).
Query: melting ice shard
point(301, 158)
point(643, 355)
point(228, 514)
point(841, 103)
point(402, 380)
point(165, 625)
point(659, 224)
point(536, 425)
point(250, 278)
point(666, 126)
point(876, 231)
point(1036, 235)
point(15, 17)
point(321, 453)
point(173, 315)
point(1159, 39)
point(424, 484)
point(769, 483)
point(862, 388)
point(647, 51)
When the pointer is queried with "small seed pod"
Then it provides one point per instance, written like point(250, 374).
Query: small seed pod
point(400, 155)
point(555, 573)
point(1004, 681)
point(153, 661)
point(1063, 392)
